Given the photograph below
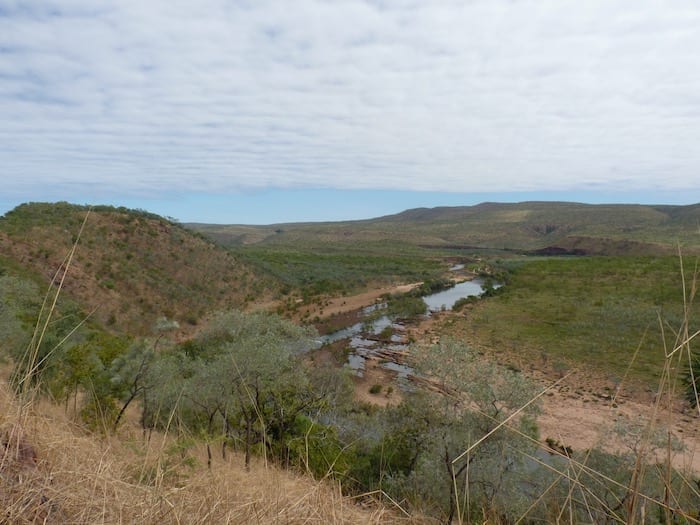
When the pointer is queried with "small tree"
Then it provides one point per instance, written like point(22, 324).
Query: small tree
point(36, 335)
point(86, 366)
point(130, 375)
point(243, 371)
point(471, 453)
point(18, 306)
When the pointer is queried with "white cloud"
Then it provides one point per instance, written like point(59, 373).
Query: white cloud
point(489, 95)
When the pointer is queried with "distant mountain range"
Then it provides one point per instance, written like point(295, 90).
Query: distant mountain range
point(536, 227)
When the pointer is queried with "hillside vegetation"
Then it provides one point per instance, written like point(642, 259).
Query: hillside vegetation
point(615, 315)
point(130, 267)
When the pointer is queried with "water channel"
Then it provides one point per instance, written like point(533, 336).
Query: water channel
point(364, 341)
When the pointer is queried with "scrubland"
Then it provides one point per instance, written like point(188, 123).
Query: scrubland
point(160, 378)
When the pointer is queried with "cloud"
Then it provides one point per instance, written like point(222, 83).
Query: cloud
point(141, 97)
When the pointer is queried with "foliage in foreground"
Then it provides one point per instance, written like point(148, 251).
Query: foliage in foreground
point(241, 382)
point(462, 449)
point(77, 478)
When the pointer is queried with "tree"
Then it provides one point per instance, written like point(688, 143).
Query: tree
point(35, 335)
point(86, 366)
point(471, 452)
point(245, 372)
point(129, 375)
point(131, 372)
point(18, 304)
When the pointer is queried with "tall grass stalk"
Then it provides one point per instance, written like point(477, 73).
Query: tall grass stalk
point(635, 500)
point(31, 359)
point(499, 425)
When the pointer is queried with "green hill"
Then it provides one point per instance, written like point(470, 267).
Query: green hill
point(132, 267)
point(556, 227)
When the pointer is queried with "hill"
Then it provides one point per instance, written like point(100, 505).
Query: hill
point(130, 266)
point(545, 227)
point(255, 384)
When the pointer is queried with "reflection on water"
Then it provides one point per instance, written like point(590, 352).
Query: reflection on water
point(446, 299)
point(342, 334)
point(363, 343)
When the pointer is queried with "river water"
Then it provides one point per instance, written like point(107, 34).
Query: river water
point(446, 299)
point(363, 343)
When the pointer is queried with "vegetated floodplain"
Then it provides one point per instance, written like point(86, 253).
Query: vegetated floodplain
point(593, 310)
point(330, 272)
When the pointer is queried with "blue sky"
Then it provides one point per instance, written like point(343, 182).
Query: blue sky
point(276, 111)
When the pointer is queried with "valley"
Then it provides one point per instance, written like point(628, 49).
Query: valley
point(578, 344)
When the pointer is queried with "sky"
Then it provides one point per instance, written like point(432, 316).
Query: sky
point(266, 111)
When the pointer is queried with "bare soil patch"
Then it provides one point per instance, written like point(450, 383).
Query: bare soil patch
point(583, 421)
point(342, 305)
point(377, 386)
point(581, 411)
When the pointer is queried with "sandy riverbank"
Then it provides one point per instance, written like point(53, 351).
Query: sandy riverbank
point(580, 413)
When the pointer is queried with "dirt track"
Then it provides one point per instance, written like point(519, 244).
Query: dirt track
point(351, 303)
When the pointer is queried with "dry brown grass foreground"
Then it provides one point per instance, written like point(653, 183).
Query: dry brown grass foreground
point(52, 471)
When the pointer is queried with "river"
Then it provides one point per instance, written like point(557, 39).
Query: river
point(363, 338)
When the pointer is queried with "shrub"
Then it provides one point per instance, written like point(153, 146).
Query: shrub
point(406, 306)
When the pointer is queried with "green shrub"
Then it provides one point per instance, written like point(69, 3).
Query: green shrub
point(405, 306)
point(315, 448)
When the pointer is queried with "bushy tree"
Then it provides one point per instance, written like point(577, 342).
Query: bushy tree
point(28, 337)
point(53, 347)
point(385, 444)
point(405, 306)
point(417, 451)
point(18, 303)
point(85, 367)
point(242, 380)
point(473, 460)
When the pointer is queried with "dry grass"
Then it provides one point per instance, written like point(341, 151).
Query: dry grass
point(53, 471)
point(648, 455)
point(84, 478)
